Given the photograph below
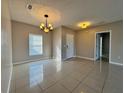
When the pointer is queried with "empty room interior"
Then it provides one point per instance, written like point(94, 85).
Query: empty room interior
point(62, 46)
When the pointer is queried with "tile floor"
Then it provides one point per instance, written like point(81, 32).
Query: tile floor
point(71, 76)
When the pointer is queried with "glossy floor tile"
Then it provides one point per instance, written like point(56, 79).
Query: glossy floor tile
point(71, 76)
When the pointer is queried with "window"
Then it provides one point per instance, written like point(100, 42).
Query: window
point(35, 44)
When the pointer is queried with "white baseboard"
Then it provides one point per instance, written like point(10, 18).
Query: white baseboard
point(27, 61)
point(87, 58)
point(116, 63)
point(68, 58)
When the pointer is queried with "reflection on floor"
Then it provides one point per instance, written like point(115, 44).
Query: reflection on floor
point(71, 76)
point(104, 59)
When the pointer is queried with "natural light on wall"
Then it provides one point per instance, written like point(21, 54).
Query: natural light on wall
point(84, 24)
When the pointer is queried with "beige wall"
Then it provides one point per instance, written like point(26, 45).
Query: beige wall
point(66, 31)
point(20, 44)
point(6, 48)
point(85, 41)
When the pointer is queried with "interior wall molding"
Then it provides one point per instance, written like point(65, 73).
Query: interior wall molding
point(27, 61)
point(68, 58)
point(116, 63)
point(87, 58)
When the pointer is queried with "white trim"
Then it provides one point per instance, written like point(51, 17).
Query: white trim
point(87, 58)
point(110, 31)
point(68, 58)
point(10, 79)
point(27, 61)
point(115, 63)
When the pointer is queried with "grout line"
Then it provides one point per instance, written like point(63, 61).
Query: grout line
point(48, 86)
point(83, 79)
point(105, 80)
point(52, 84)
point(65, 87)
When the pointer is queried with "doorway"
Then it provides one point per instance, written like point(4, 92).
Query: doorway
point(103, 46)
point(69, 46)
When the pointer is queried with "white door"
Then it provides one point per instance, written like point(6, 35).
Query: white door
point(69, 45)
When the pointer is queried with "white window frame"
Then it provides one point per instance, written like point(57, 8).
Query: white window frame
point(29, 45)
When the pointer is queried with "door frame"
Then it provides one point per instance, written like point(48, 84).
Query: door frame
point(110, 32)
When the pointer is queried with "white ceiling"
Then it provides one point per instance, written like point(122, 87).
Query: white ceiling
point(71, 11)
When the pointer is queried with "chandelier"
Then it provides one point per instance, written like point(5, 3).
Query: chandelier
point(46, 27)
